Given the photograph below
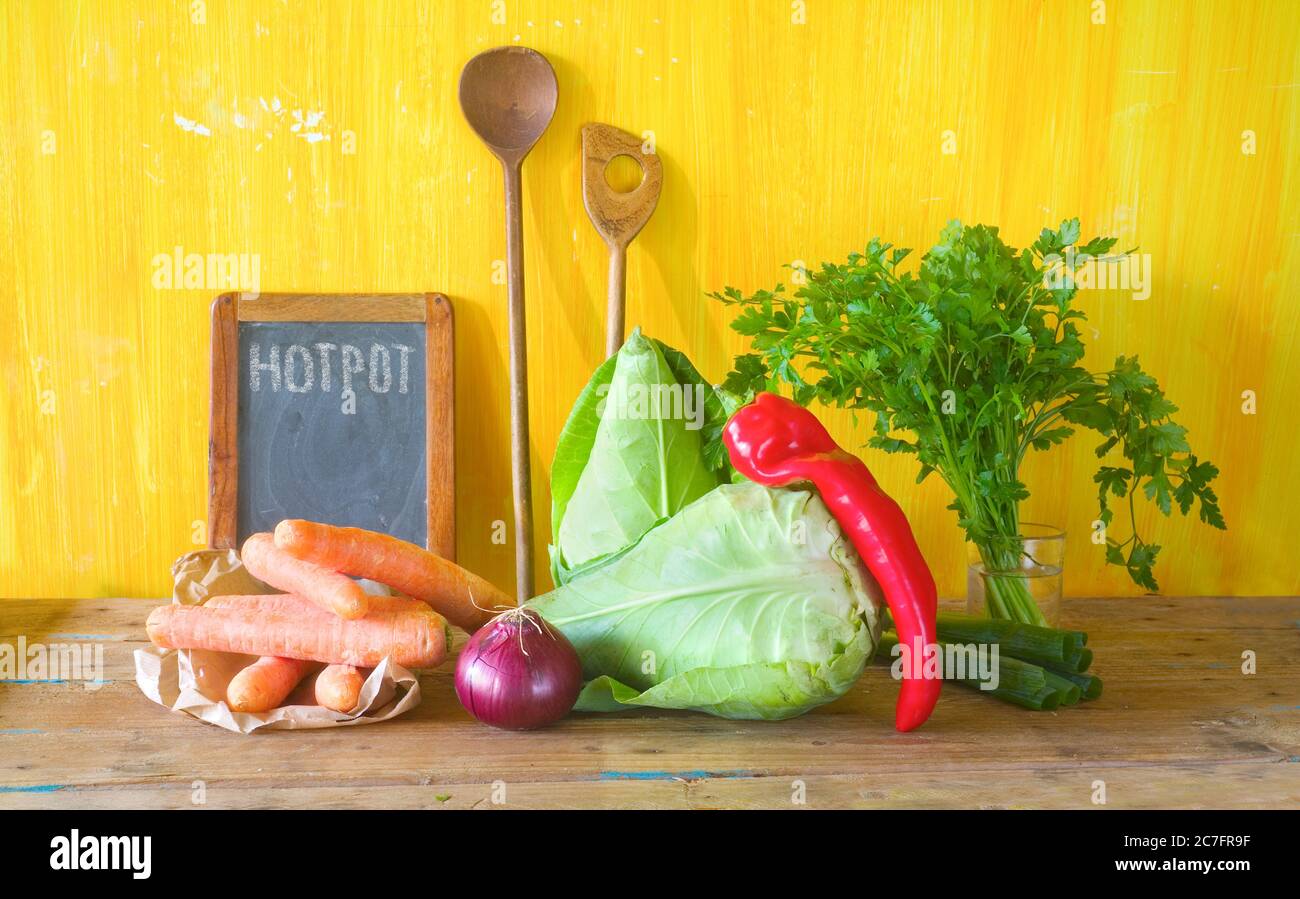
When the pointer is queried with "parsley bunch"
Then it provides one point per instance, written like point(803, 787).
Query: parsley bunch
point(968, 364)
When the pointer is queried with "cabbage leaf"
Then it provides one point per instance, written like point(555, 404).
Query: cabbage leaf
point(635, 450)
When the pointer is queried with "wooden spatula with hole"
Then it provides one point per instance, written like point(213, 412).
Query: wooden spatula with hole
point(618, 216)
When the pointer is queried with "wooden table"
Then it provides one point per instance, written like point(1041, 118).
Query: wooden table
point(1179, 725)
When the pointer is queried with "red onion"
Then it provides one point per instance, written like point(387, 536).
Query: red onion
point(517, 672)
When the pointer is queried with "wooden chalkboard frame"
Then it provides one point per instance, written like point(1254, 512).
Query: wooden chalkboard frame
point(433, 309)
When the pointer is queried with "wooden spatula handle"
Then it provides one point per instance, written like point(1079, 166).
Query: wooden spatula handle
point(615, 326)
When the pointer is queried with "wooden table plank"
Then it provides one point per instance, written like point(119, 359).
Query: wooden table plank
point(1179, 725)
point(1203, 786)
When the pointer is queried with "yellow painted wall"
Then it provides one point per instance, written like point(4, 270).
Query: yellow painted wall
point(780, 141)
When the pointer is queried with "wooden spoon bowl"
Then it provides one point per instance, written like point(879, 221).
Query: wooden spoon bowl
point(508, 95)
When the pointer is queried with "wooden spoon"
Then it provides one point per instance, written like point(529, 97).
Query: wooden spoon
point(508, 96)
point(618, 217)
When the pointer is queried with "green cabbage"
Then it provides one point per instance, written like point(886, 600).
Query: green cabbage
point(679, 589)
point(747, 603)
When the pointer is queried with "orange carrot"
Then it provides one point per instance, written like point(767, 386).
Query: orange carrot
point(466, 599)
point(338, 687)
point(412, 639)
point(264, 684)
point(292, 604)
point(328, 589)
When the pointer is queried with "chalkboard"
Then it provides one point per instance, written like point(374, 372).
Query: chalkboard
point(335, 409)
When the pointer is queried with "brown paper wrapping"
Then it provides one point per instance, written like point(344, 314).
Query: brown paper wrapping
point(194, 682)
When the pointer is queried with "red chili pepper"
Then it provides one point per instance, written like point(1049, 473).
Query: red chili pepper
point(775, 442)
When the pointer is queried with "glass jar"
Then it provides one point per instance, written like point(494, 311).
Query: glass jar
point(1017, 577)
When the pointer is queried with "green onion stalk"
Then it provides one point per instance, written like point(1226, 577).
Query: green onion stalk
point(1007, 595)
point(1038, 668)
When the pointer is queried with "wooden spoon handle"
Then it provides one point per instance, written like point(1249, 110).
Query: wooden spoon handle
point(523, 486)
